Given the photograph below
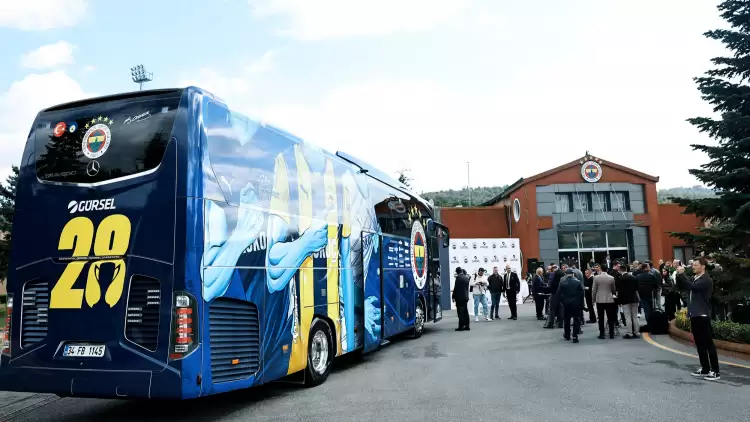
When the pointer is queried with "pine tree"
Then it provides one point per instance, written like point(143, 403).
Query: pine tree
point(727, 171)
point(7, 211)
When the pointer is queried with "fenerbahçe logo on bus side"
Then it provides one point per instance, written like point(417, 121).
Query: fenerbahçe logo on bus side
point(418, 254)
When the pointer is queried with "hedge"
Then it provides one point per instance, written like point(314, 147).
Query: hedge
point(723, 330)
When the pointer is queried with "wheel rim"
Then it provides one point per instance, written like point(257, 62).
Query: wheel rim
point(419, 319)
point(319, 352)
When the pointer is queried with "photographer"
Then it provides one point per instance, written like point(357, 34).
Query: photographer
point(478, 287)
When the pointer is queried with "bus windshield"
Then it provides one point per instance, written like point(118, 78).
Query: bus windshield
point(104, 140)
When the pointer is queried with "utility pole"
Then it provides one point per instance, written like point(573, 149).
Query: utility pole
point(468, 183)
point(140, 75)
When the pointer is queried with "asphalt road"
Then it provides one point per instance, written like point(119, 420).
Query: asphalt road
point(500, 370)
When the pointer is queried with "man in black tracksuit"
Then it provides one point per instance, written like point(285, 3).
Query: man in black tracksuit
point(699, 311)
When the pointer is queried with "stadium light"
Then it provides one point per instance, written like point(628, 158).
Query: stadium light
point(140, 75)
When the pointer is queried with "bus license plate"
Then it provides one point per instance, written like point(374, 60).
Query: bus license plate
point(84, 351)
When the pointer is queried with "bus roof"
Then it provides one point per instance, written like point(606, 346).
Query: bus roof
point(363, 165)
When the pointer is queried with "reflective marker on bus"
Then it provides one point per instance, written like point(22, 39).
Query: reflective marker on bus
point(165, 246)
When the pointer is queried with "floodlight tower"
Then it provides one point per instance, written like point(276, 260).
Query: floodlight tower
point(140, 75)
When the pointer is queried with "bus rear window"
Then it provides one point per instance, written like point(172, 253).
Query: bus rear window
point(106, 140)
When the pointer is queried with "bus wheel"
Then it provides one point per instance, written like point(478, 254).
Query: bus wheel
point(419, 321)
point(320, 353)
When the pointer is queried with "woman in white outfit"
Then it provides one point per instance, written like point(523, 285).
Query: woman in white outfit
point(479, 285)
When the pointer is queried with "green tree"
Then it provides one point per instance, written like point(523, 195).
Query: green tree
point(7, 211)
point(728, 169)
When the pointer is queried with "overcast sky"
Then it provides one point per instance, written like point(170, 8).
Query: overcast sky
point(513, 87)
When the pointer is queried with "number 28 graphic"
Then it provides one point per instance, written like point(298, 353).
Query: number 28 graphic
point(111, 238)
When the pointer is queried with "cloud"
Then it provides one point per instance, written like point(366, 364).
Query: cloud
point(49, 56)
point(39, 15)
point(325, 19)
point(232, 87)
point(265, 64)
point(20, 104)
point(434, 129)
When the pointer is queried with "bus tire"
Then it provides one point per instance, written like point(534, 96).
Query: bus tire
point(320, 353)
point(419, 320)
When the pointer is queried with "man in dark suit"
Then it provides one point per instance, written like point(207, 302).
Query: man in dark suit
point(512, 287)
point(570, 295)
point(555, 308)
point(461, 299)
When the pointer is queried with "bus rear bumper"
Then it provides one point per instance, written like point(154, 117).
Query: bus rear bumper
point(94, 384)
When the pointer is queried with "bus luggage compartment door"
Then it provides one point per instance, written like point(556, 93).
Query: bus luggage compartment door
point(373, 292)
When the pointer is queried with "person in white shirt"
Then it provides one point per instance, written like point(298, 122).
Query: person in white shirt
point(479, 286)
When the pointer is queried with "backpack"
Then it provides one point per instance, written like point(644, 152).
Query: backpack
point(658, 323)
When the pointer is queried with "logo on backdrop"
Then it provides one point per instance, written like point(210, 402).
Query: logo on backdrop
point(418, 254)
point(591, 171)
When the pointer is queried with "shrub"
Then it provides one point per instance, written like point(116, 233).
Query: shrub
point(723, 330)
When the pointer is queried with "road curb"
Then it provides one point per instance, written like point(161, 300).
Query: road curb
point(652, 342)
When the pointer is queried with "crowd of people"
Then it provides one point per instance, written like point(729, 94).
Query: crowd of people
point(619, 295)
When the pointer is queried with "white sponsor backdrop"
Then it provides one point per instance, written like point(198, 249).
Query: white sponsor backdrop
point(471, 254)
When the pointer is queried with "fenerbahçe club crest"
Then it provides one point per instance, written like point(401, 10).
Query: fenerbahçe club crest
point(97, 138)
point(418, 254)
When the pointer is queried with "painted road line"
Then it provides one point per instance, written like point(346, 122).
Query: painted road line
point(669, 349)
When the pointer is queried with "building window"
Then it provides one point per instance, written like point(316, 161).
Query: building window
point(516, 210)
point(593, 240)
point(581, 202)
point(620, 201)
point(601, 202)
point(617, 239)
point(562, 203)
point(567, 240)
point(683, 253)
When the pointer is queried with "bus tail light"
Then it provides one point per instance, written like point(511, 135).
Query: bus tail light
point(185, 324)
point(7, 332)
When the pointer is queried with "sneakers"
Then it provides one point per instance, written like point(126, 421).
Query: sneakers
point(712, 376)
point(476, 319)
point(487, 318)
point(575, 339)
point(700, 373)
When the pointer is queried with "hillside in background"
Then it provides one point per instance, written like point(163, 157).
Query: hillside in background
point(456, 198)
point(695, 192)
point(460, 197)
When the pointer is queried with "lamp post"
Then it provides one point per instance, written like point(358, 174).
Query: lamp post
point(140, 75)
point(468, 182)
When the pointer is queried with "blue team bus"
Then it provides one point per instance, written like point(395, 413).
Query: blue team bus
point(165, 246)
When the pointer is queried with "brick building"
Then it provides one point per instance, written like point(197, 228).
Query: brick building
point(587, 208)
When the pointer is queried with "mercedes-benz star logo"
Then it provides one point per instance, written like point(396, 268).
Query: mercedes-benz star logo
point(92, 169)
